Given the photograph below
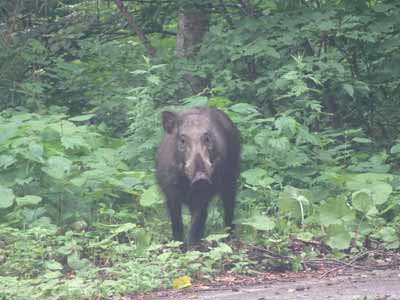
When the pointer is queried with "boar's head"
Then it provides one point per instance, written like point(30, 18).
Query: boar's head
point(195, 144)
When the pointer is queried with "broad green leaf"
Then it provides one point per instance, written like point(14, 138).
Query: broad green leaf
point(82, 118)
point(196, 101)
point(28, 200)
point(143, 240)
point(154, 79)
point(220, 102)
point(335, 211)
point(126, 227)
point(260, 222)
point(349, 89)
point(360, 181)
point(380, 192)
point(286, 124)
point(390, 237)
point(76, 263)
point(53, 265)
point(216, 237)
point(58, 167)
point(36, 151)
point(293, 202)
point(338, 237)
point(7, 197)
point(6, 161)
point(257, 177)
point(8, 131)
point(376, 183)
point(243, 108)
point(280, 144)
point(362, 201)
point(73, 142)
point(150, 197)
point(305, 236)
point(395, 149)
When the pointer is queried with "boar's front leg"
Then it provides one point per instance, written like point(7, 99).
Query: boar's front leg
point(174, 204)
point(228, 195)
point(198, 210)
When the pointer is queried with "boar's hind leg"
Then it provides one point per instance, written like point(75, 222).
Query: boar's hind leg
point(175, 214)
point(198, 210)
point(228, 195)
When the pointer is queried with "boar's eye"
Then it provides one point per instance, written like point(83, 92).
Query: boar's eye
point(207, 140)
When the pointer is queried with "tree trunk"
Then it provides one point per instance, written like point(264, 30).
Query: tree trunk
point(192, 25)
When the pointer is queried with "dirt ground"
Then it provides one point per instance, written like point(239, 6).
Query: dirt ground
point(372, 285)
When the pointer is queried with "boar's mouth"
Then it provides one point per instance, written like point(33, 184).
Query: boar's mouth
point(200, 179)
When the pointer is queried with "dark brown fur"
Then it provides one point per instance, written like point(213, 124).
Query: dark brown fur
point(197, 159)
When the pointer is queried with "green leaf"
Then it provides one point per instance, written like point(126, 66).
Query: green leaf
point(58, 167)
point(257, 177)
point(126, 227)
point(53, 265)
point(7, 197)
point(362, 140)
point(6, 161)
point(286, 124)
point(82, 118)
point(349, 89)
point(196, 101)
point(360, 181)
point(220, 102)
point(73, 142)
point(150, 197)
point(36, 152)
point(243, 108)
point(395, 149)
point(362, 201)
point(8, 131)
point(335, 211)
point(76, 263)
point(380, 192)
point(338, 237)
point(260, 222)
point(293, 202)
point(139, 72)
point(216, 237)
point(389, 235)
point(154, 79)
point(305, 236)
point(28, 200)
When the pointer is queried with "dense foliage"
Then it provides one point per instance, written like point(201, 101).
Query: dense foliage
point(313, 86)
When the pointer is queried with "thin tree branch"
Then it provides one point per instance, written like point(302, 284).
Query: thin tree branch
point(131, 21)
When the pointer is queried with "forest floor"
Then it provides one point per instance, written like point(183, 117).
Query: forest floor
point(373, 285)
point(364, 285)
point(354, 285)
point(372, 275)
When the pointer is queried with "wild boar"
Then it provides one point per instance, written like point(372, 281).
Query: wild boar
point(197, 159)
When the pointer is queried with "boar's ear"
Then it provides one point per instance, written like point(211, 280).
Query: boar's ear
point(169, 121)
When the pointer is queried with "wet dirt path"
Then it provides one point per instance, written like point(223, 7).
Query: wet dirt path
point(374, 285)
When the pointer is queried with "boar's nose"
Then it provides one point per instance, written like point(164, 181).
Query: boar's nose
point(200, 178)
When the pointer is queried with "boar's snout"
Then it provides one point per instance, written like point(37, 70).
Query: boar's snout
point(200, 170)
